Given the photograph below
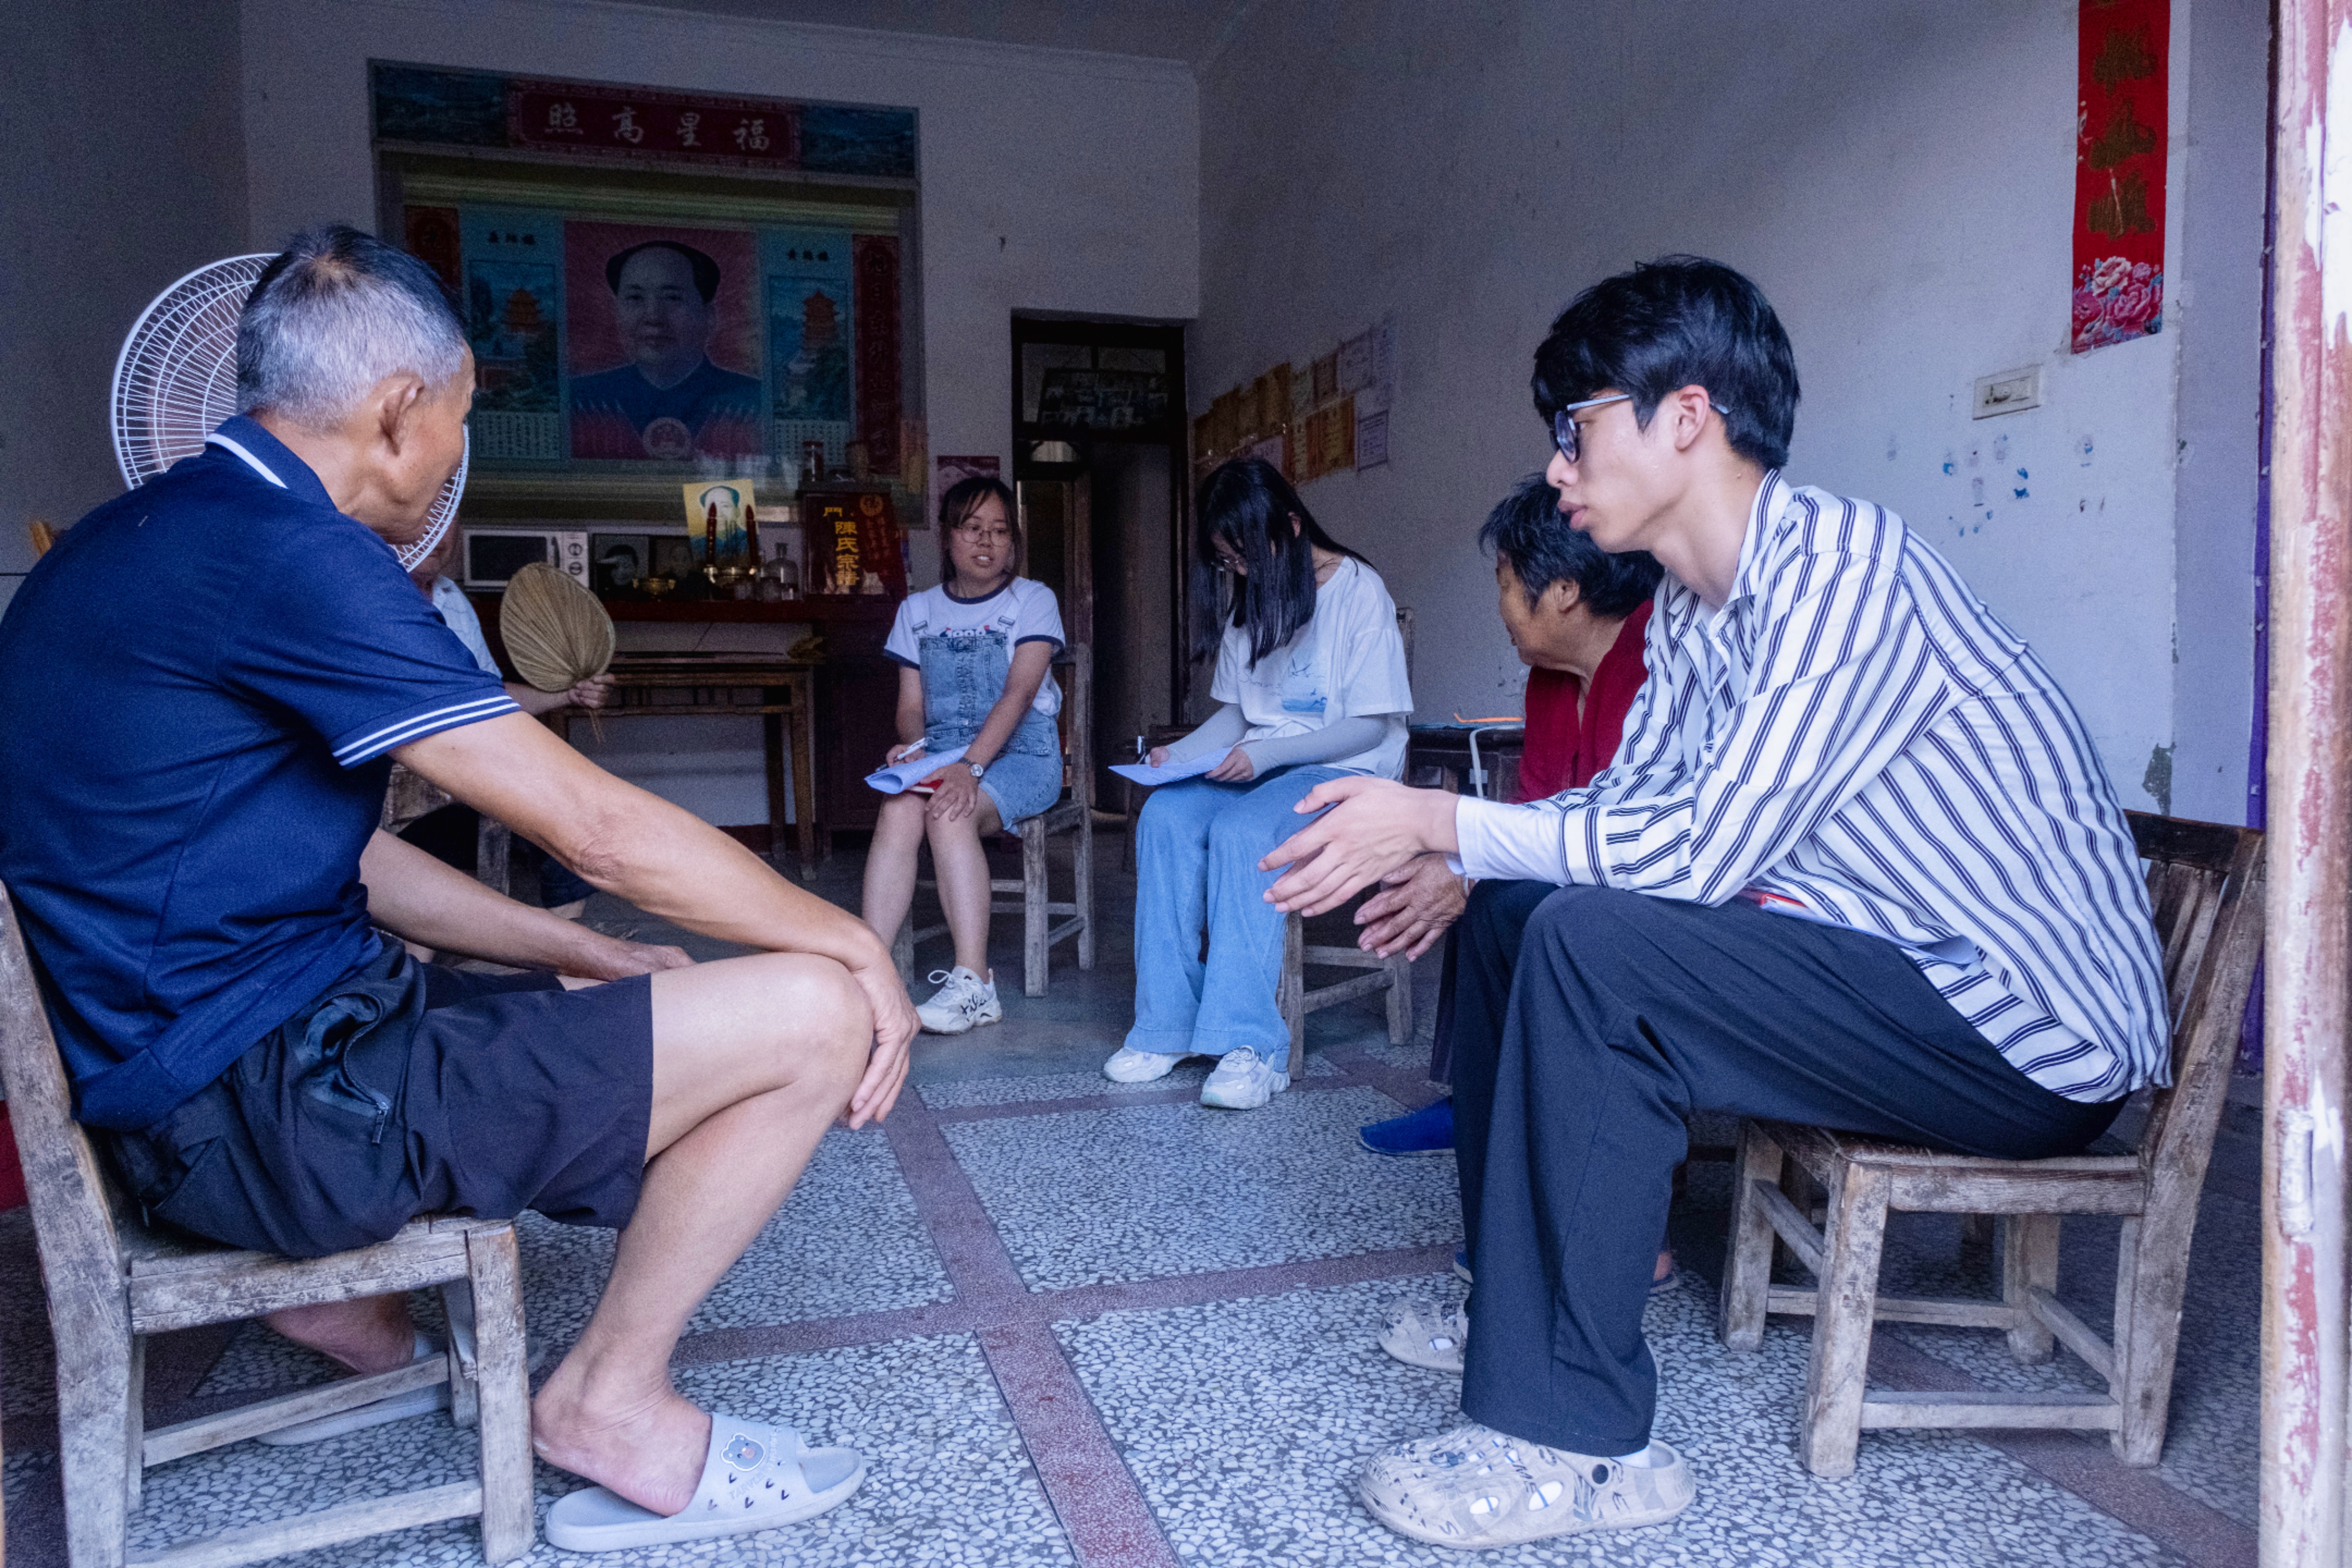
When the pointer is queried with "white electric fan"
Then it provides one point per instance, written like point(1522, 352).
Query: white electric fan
point(175, 380)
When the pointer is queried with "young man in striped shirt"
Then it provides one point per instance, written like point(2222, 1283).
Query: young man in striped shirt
point(1856, 864)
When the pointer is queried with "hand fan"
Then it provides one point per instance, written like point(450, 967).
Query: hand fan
point(556, 631)
point(175, 380)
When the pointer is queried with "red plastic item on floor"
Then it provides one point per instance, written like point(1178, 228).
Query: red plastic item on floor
point(12, 1174)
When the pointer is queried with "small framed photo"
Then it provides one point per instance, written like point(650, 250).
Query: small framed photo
point(672, 556)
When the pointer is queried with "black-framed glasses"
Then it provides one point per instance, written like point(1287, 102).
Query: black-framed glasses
point(1566, 435)
point(1000, 534)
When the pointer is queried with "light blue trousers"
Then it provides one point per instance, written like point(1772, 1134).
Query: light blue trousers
point(1196, 853)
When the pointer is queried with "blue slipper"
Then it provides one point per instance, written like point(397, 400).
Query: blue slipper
point(1429, 1131)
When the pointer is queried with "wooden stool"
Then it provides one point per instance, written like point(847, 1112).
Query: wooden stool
point(112, 1282)
point(2206, 884)
point(1393, 975)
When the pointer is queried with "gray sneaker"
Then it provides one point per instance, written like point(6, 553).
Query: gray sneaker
point(1475, 1487)
point(1244, 1080)
point(963, 1001)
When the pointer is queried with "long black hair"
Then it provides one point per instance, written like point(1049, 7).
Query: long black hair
point(1248, 506)
point(964, 498)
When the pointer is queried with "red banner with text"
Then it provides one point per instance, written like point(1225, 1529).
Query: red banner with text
point(2119, 162)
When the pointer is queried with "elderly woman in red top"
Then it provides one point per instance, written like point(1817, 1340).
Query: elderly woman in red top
point(1576, 616)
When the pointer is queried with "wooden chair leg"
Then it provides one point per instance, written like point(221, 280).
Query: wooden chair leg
point(1290, 991)
point(1747, 1262)
point(1976, 1231)
point(2152, 1274)
point(509, 1520)
point(1083, 847)
point(465, 1355)
point(1846, 1299)
point(2029, 1261)
point(1399, 970)
point(134, 1426)
point(1035, 921)
point(97, 1444)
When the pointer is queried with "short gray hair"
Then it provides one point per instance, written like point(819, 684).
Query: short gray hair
point(334, 314)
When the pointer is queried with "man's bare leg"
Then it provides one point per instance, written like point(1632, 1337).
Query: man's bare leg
point(753, 1059)
point(370, 1335)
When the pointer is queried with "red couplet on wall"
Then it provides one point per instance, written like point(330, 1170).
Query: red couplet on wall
point(2119, 160)
point(12, 1173)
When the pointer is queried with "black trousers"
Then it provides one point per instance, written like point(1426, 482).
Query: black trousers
point(1588, 1025)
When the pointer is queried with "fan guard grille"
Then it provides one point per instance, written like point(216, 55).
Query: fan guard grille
point(175, 382)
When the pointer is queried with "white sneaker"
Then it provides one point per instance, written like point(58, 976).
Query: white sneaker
point(963, 1001)
point(1244, 1082)
point(1128, 1065)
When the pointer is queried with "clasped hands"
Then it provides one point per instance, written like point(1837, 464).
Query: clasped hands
point(1373, 830)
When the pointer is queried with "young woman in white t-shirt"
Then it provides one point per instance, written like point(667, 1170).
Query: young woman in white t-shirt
point(1311, 682)
point(974, 656)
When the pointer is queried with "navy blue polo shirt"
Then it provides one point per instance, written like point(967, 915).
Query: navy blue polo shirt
point(198, 686)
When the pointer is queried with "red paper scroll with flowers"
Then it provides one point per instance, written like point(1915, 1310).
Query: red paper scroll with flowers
point(2119, 162)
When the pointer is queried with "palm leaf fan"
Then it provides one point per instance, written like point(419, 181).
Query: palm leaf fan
point(556, 632)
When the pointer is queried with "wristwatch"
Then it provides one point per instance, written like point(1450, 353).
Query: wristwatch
point(979, 770)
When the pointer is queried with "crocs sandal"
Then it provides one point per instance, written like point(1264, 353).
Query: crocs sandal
point(754, 1477)
point(1421, 1334)
point(1475, 1487)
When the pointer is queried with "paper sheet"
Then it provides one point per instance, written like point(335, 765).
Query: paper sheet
point(1144, 775)
point(902, 776)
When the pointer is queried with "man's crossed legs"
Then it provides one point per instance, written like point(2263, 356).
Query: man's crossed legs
point(1589, 1024)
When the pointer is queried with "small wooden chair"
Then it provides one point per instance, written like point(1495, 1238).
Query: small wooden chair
point(112, 1282)
point(1073, 815)
point(2206, 884)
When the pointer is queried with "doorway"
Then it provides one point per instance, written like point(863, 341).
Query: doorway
point(1098, 469)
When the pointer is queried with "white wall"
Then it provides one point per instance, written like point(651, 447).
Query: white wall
point(1051, 180)
point(1898, 176)
point(125, 169)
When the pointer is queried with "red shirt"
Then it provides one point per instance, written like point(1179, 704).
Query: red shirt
point(1564, 750)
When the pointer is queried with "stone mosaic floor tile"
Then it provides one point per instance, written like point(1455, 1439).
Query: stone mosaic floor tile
point(847, 1240)
point(1135, 1191)
point(948, 1480)
point(1190, 1074)
point(1244, 1423)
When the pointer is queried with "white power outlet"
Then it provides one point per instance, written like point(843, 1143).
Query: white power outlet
point(2007, 392)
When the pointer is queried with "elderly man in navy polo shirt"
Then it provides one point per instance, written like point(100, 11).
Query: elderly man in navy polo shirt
point(201, 690)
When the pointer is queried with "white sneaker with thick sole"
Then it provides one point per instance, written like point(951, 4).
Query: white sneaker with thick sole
point(1128, 1065)
point(962, 1001)
point(1244, 1082)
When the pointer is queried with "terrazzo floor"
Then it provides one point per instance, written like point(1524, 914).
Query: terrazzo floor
point(1072, 1322)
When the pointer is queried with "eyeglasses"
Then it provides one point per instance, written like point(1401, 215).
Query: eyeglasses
point(1565, 433)
point(979, 535)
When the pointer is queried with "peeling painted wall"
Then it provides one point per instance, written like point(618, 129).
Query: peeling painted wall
point(1898, 177)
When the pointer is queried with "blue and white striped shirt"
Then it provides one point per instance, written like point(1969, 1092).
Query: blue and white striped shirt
point(1854, 737)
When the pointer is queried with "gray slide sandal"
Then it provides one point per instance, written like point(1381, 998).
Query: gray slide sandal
point(754, 1477)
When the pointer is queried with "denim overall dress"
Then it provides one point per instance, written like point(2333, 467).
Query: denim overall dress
point(964, 675)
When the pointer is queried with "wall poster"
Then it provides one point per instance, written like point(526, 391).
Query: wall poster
point(2120, 151)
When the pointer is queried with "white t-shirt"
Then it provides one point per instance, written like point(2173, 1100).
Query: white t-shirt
point(458, 612)
point(1346, 663)
point(1024, 610)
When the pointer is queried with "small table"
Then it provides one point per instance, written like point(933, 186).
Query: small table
point(731, 686)
point(1445, 748)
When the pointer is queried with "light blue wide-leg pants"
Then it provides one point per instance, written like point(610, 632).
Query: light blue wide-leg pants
point(1196, 855)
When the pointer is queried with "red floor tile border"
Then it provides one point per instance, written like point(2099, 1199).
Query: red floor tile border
point(1102, 1510)
point(2084, 1464)
point(1409, 1087)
